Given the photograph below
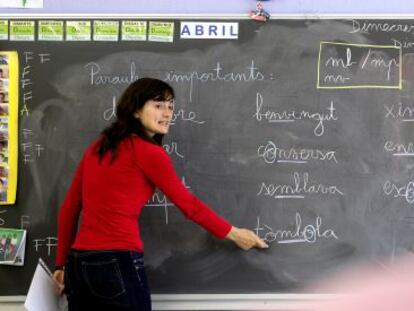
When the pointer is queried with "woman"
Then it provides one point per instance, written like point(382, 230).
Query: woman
point(104, 259)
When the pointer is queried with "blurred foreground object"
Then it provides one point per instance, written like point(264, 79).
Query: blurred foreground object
point(371, 288)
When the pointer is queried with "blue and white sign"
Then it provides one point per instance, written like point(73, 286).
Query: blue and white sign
point(209, 30)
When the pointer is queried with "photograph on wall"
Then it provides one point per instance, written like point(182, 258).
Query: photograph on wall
point(4, 138)
point(4, 124)
point(4, 85)
point(4, 59)
point(4, 152)
point(4, 72)
point(4, 109)
point(4, 97)
point(4, 169)
point(4, 158)
point(12, 246)
point(3, 189)
point(4, 142)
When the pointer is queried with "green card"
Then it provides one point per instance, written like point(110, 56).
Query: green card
point(78, 31)
point(161, 31)
point(134, 30)
point(50, 31)
point(22, 30)
point(105, 30)
point(4, 29)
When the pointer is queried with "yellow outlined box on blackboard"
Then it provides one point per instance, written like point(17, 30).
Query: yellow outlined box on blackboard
point(9, 126)
point(356, 86)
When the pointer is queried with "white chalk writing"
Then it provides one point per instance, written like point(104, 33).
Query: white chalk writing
point(97, 78)
point(376, 59)
point(339, 62)
point(25, 79)
point(271, 153)
point(48, 242)
point(2, 221)
point(290, 116)
point(403, 44)
point(160, 200)
point(301, 186)
point(407, 191)
point(368, 27)
point(373, 58)
point(24, 222)
point(179, 114)
point(110, 113)
point(344, 65)
point(182, 115)
point(30, 149)
point(399, 112)
point(172, 148)
point(399, 149)
point(310, 233)
point(216, 74)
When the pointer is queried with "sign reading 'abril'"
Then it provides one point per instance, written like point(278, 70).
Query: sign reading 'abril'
point(210, 30)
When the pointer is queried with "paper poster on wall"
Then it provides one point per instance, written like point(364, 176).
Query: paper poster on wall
point(105, 30)
point(49, 30)
point(8, 126)
point(12, 246)
point(134, 31)
point(24, 4)
point(78, 31)
point(161, 31)
point(22, 30)
point(4, 29)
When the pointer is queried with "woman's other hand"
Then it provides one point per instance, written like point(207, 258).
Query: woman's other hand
point(245, 239)
point(58, 277)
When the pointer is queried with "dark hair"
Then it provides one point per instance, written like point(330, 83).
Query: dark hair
point(125, 125)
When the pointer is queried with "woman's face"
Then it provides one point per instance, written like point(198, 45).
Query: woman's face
point(156, 116)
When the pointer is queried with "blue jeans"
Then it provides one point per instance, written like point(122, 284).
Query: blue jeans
point(106, 280)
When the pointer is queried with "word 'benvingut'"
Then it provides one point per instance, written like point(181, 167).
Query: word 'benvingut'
point(284, 116)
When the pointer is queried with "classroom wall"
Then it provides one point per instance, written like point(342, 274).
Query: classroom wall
point(221, 7)
point(212, 7)
point(12, 307)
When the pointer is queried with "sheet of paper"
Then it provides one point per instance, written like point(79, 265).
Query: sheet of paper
point(29, 4)
point(42, 295)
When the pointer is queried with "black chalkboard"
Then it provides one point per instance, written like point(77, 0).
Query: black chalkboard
point(299, 130)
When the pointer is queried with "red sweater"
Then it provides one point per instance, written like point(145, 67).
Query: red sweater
point(111, 196)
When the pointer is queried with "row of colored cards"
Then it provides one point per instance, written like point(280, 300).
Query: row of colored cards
point(86, 30)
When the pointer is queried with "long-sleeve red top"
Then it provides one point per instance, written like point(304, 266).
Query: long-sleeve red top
point(112, 195)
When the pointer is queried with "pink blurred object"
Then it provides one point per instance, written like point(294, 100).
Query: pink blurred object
point(371, 288)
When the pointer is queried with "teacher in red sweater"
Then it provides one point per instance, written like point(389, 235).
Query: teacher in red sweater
point(101, 266)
